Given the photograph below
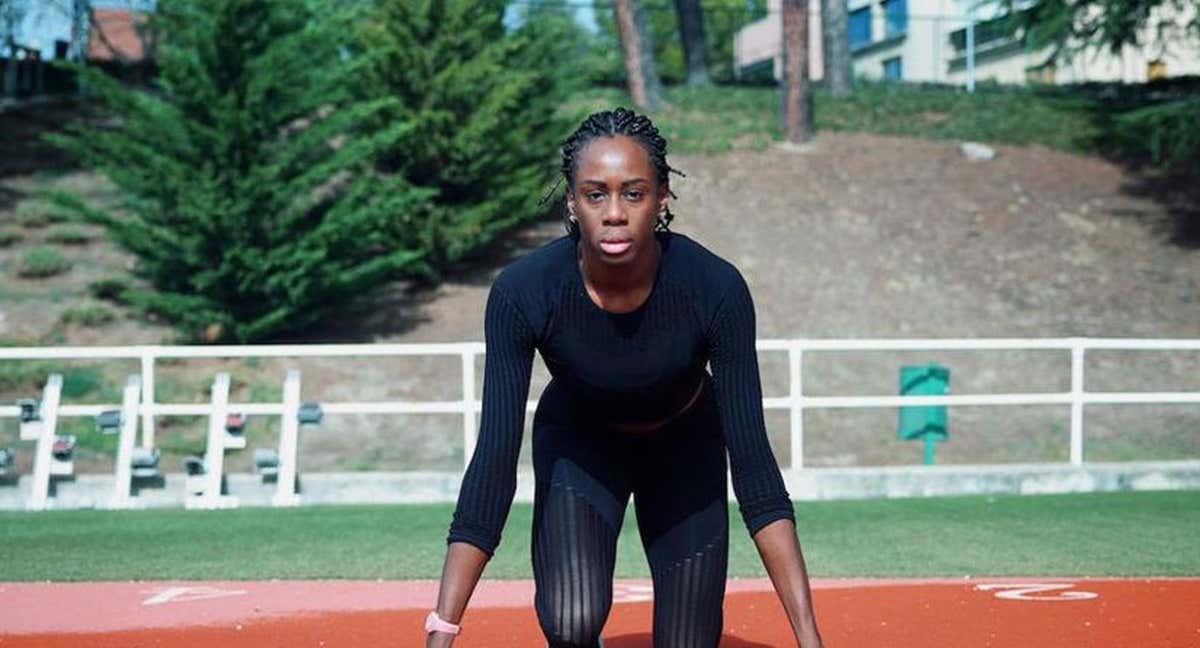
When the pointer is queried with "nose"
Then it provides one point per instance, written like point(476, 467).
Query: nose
point(614, 214)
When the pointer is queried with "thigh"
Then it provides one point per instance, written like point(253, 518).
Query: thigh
point(574, 553)
point(683, 519)
point(588, 462)
point(580, 492)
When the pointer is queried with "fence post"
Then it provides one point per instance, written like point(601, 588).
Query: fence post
point(795, 393)
point(1077, 401)
point(147, 398)
point(289, 441)
point(214, 450)
point(123, 484)
point(468, 388)
point(40, 489)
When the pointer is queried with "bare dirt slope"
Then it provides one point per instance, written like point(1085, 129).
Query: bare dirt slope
point(870, 236)
point(861, 236)
point(865, 236)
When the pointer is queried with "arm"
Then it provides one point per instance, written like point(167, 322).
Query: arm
point(490, 481)
point(765, 506)
point(779, 548)
point(460, 573)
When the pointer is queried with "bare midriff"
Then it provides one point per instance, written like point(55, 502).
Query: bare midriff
point(654, 425)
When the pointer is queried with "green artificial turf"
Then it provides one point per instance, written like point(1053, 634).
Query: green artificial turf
point(1093, 534)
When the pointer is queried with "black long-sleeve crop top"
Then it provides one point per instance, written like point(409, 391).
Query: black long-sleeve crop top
point(643, 365)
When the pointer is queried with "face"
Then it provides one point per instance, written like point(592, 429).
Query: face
point(616, 199)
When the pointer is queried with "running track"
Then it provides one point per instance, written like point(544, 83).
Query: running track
point(987, 611)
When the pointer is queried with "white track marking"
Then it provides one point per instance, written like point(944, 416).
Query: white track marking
point(1028, 591)
point(632, 593)
point(180, 594)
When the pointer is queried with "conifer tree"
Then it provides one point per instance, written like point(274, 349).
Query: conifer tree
point(480, 110)
point(248, 187)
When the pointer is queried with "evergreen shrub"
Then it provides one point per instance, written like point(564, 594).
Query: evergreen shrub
point(42, 261)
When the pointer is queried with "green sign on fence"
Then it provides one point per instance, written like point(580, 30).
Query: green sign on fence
point(926, 422)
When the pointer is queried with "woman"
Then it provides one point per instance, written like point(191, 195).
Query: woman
point(626, 315)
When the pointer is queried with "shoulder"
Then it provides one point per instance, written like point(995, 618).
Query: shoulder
point(713, 284)
point(711, 274)
point(536, 269)
point(530, 282)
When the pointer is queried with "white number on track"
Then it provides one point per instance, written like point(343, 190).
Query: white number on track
point(1031, 591)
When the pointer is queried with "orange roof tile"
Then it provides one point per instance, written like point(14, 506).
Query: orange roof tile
point(117, 33)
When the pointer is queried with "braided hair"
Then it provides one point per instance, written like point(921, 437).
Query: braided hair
point(610, 123)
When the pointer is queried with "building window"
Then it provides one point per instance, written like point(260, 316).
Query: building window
point(860, 27)
point(895, 17)
point(1156, 69)
point(892, 69)
point(988, 34)
point(1041, 74)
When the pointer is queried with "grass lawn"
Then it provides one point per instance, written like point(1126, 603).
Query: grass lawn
point(717, 119)
point(1093, 534)
point(720, 118)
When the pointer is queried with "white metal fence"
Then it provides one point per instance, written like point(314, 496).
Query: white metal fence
point(796, 402)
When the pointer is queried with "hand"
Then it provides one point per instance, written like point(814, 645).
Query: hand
point(439, 640)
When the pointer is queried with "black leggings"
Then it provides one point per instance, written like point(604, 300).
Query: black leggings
point(584, 475)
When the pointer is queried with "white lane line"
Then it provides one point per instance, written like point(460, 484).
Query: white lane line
point(163, 595)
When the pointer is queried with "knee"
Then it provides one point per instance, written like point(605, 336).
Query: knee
point(578, 627)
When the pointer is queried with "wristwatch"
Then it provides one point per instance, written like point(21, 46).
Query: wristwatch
point(434, 623)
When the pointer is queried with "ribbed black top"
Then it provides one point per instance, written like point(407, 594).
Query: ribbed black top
point(643, 365)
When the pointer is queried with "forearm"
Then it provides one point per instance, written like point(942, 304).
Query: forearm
point(460, 573)
point(779, 548)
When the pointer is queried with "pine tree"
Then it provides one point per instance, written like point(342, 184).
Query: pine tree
point(480, 106)
point(249, 191)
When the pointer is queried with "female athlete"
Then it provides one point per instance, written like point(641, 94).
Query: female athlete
point(627, 316)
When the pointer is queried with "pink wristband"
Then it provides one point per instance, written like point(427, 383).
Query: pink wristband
point(434, 623)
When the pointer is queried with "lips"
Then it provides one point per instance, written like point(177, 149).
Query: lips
point(615, 244)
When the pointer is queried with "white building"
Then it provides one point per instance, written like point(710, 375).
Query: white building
point(927, 40)
point(47, 28)
point(759, 45)
point(1006, 59)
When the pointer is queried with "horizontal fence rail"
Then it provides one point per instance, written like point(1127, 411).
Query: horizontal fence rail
point(796, 402)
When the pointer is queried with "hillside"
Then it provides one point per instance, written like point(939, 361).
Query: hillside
point(857, 236)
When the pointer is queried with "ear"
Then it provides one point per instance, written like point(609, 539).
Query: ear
point(664, 195)
point(570, 195)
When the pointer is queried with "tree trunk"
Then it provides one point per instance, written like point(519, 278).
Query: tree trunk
point(644, 86)
point(10, 74)
point(836, 41)
point(797, 125)
point(80, 11)
point(695, 45)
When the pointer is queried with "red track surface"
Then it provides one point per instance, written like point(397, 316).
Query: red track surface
point(1000, 611)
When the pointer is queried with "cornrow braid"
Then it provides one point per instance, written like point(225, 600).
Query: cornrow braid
point(610, 123)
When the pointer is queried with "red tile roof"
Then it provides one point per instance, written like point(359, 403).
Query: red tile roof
point(117, 32)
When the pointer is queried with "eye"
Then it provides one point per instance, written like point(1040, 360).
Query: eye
point(635, 194)
point(594, 195)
